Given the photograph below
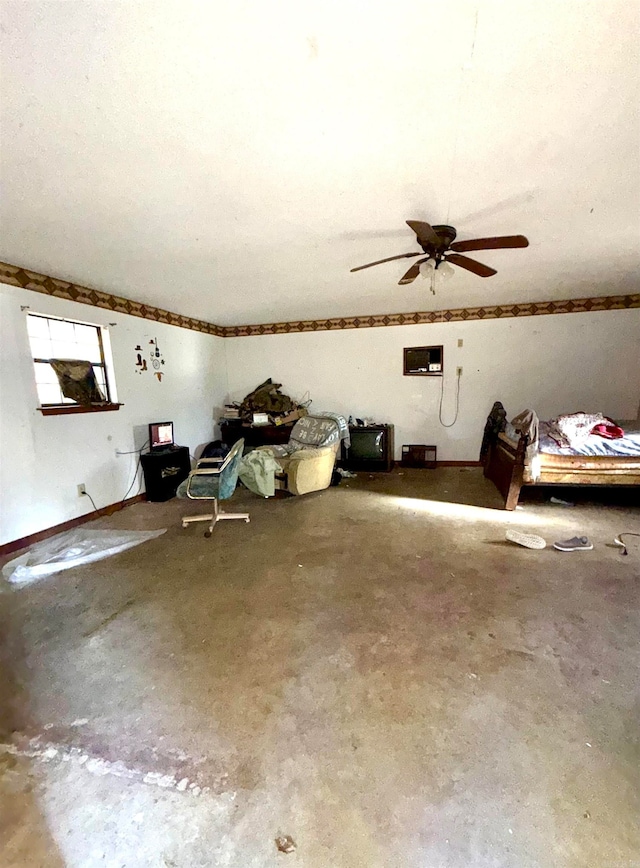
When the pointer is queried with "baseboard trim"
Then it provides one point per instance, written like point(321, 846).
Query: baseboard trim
point(442, 464)
point(26, 541)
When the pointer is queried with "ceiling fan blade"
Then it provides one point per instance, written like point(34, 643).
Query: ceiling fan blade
point(426, 234)
point(388, 259)
point(471, 265)
point(500, 241)
point(413, 272)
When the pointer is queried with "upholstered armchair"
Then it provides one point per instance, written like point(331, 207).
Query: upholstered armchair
point(306, 462)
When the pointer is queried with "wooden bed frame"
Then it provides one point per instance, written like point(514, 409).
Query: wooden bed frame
point(506, 465)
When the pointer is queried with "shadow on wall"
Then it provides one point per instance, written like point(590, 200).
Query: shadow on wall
point(140, 437)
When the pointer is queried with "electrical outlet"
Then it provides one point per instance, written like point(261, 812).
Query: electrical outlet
point(82, 489)
point(460, 342)
point(459, 371)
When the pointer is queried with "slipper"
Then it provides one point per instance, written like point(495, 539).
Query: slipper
point(575, 544)
point(528, 540)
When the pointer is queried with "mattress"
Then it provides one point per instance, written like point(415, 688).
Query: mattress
point(594, 447)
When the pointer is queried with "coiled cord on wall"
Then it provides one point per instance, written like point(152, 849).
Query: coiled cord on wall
point(444, 425)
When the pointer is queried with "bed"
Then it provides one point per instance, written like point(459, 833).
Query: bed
point(507, 461)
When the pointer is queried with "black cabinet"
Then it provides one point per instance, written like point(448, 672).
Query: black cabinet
point(254, 435)
point(164, 470)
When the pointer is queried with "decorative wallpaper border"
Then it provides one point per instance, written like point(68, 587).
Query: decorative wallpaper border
point(27, 279)
point(461, 314)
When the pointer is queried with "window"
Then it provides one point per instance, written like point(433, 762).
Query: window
point(53, 338)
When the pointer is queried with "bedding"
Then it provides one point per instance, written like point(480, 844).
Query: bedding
point(593, 446)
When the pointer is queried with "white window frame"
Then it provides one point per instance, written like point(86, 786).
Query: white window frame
point(105, 364)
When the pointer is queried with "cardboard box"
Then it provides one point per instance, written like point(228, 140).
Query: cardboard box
point(293, 416)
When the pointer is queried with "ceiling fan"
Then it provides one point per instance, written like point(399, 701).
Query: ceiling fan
point(437, 241)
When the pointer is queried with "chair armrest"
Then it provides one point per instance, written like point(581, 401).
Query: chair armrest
point(206, 471)
point(310, 473)
point(207, 467)
point(221, 462)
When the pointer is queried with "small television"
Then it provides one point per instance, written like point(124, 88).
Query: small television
point(371, 448)
point(160, 436)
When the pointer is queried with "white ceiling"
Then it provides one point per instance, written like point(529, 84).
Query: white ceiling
point(232, 161)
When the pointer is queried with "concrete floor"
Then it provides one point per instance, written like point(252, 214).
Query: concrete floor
point(371, 670)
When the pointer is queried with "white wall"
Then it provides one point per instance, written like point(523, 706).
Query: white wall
point(554, 364)
point(43, 459)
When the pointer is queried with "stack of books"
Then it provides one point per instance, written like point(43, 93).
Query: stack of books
point(231, 411)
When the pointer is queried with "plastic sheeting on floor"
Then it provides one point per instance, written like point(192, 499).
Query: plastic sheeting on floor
point(72, 549)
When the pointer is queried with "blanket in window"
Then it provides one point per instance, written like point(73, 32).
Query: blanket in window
point(78, 381)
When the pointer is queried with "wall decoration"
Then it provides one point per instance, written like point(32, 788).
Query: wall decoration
point(141, 364)
point(156, 358)
point(15, 275)
point(446, 315)
point(154, 352)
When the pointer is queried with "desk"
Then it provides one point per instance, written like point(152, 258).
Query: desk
point(254, 435)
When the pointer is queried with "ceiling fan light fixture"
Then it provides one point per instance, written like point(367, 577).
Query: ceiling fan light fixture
point(437, 271)
point(445, 271)
point(427, 268)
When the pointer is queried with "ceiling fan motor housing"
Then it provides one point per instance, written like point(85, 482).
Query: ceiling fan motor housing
point(446, 235)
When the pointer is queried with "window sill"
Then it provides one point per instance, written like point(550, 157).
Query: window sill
point(70, 409)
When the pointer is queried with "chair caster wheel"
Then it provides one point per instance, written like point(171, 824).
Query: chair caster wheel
point(184, 524)
point(247, 520)
point(207, 533)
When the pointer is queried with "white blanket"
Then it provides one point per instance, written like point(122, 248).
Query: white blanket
point(573, 429)
point(593, 446)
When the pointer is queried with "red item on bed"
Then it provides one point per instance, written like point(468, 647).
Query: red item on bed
point(608, 430)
